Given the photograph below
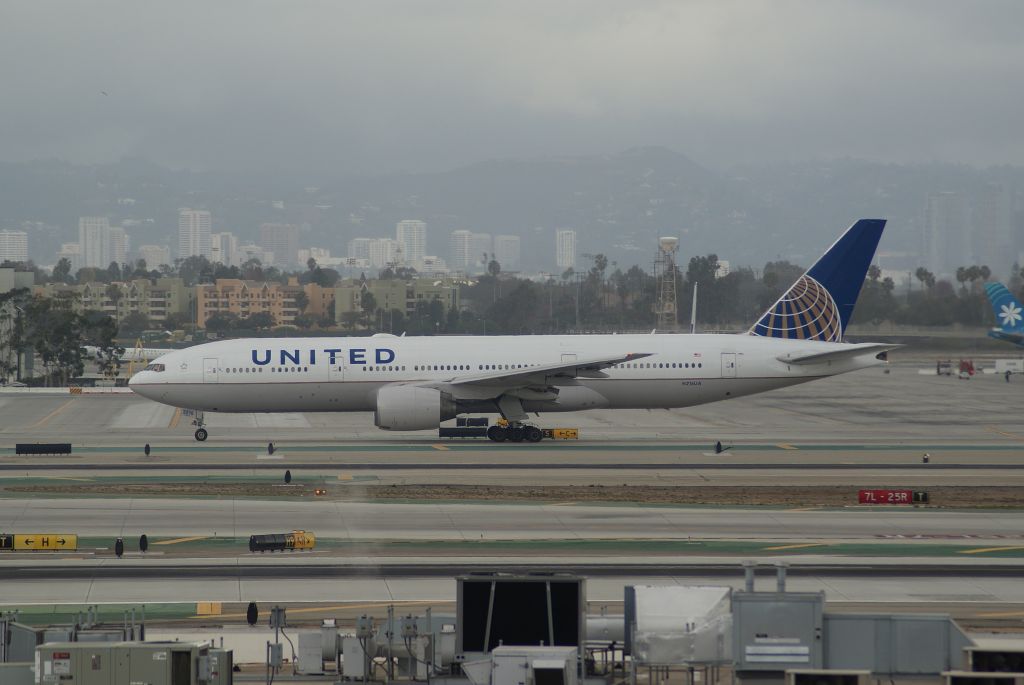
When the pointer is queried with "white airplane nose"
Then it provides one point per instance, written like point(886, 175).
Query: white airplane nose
point(135, 383)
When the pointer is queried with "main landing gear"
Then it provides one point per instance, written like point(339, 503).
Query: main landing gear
point(513, 431)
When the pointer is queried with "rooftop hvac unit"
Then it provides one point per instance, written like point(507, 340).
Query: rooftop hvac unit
point(667, 625)
point(778, 631)
point(533, 666)
point(527, 610)
point(310, 654)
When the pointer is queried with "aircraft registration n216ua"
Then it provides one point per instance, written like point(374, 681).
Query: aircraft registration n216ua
point(415, 383)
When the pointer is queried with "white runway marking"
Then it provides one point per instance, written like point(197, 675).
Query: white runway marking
point(143, 415)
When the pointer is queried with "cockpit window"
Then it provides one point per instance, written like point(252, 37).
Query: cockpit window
point(154, 367)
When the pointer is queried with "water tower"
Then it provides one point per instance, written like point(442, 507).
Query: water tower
point(665, 274)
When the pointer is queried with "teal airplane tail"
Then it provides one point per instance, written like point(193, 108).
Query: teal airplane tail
point(1009, 314)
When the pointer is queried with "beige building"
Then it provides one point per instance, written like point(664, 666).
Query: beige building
point(245, 298)
point(155, 299)
point(392, 294)
point(12, 280)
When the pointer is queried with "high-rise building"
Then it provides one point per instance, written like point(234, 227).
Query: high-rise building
point(507, 251)
point(73, 253)
point(483, 248)
point(253, 251)
point(359, 248)
point(320, 255)
point(565, 248)
point(154, 255)
point(946, 236)
point(993, 235)
point(412, 235)
point(470, 251)
point(224, 249)
point(94, 241)
point(119, 243)
point(461, 243)
point(193, 233)
point(385, 252)
point(282, 240)
point(13, 246)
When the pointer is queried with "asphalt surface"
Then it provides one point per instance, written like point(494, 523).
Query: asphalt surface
point(871, 428)
point(865, 407)
point(382, 521)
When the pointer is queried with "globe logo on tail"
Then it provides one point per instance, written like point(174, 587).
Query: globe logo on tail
point(806, 312)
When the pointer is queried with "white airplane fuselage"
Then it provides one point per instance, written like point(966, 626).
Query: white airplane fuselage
point(346, 374)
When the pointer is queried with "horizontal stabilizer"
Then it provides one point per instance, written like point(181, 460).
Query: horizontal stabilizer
point(847, 352)
point(1015, 338)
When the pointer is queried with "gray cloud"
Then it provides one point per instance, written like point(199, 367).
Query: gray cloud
point(366, 87)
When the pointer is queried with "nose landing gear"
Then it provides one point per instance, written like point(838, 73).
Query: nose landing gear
point(199, 421)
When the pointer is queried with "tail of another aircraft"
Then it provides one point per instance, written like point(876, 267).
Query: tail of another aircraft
point(1009, 313)
point(819, 305)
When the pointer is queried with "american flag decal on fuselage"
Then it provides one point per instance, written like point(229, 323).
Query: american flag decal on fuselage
point(806, 312)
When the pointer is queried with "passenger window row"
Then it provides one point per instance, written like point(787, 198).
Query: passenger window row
point(453, 367)
point(662, 365)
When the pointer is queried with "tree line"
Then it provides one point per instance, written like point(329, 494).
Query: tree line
point(50, 331)
point(602, 297)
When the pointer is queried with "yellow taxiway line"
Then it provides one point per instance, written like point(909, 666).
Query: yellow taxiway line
point(43, 421)
point(177, 540)
point(983, 550)
point(802, 545)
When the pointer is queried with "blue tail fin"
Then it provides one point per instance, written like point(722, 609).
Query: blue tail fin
point(819, 305)
point(1009, 314)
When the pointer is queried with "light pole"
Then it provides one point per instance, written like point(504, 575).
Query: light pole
point(17, 351)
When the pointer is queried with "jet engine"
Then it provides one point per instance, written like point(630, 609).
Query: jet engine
point(410, 408)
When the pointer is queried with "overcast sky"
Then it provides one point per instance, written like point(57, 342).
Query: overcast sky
point(368, 87)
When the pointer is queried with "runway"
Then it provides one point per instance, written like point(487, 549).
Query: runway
point(860, 408)
point(384, 521)
point(871, 426)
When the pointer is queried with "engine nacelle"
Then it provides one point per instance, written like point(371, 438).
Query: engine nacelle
point(410, 408)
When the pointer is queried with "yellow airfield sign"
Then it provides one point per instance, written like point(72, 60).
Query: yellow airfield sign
point(48, 542)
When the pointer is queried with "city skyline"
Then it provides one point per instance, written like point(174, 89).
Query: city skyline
point(673, 200)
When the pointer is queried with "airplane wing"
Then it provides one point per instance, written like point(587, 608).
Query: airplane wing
point(509, 387)
point(543, 374)
point(855, 350)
